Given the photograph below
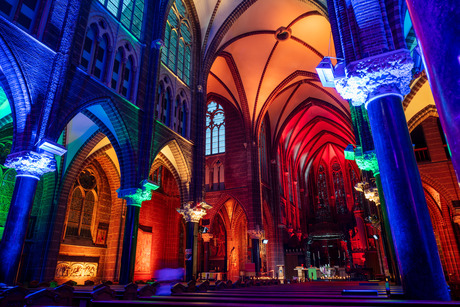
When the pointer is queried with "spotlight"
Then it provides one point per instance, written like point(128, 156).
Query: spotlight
point(265, 241)
point(376, 237)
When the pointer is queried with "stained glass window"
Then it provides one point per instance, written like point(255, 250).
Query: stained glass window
point(339, 188)
point(129, 12)
point(178, 40)
point(322, 211)
point(215, 129)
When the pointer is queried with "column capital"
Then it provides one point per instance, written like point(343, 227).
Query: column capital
point(256, 234)
point(31, 163)
point(193, 213)
point(366, 161)
point(207, 236)
point(135, 196)
point(372, 77)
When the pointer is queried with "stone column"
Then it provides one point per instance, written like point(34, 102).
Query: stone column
point(436, 26)
point(192, 215)
point(379, 82)
point(134, 198)
point(255, 236)
point(206, 238)
point(30, 166)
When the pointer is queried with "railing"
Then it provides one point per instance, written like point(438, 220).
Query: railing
point(421, 154)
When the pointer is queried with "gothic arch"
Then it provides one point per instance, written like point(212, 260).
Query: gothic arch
point(14, 84)
point(119, 136)
point(180, 165)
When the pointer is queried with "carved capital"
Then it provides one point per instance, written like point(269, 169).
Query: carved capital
point(376, 76)
point(367, 161)
point(31, 163)
point(135, 196)
point(256, 234)
point(192, 213)
point(207, 236)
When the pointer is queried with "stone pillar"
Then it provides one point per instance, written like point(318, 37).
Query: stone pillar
point(134, 198)
point(192, 215)
point(436, 26)
point(206, 238)
point(255, 236)
point(379, 82)
point(30, 166)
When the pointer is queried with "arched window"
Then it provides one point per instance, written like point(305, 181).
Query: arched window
point(82, 205)
point(354, 180)
point(88, 47)
point(322, 211)
point(263, 153)
point(117, 69)
point(127, 78)
point(339, 188)
point(178, 41)
point(183, 124)
point(163, 108)
point(100, 59)
point(176, 115)
point(129, 12)
point(215, 129)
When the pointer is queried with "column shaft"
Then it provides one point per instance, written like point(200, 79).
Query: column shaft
point(206, 257)
point(15, 231)
point(128, 256)
point(190, 253)
point(387, 238)
point(436, 25)
point(256, 255)
point(415, 245)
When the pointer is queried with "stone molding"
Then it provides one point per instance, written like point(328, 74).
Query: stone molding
point(31, 163)
point(192, 213)
point(376, 76)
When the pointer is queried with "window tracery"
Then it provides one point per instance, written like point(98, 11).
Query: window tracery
point(123, 71)
point(95, 53)
point(322, 212)
point(215, 129)
point(339, 188)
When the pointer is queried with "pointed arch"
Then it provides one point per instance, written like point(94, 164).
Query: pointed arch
point(179, 163)
point(16, 88)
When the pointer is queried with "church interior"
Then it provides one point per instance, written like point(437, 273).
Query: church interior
point(302, 141)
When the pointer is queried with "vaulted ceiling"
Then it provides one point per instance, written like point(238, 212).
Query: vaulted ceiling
point(265, 63)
